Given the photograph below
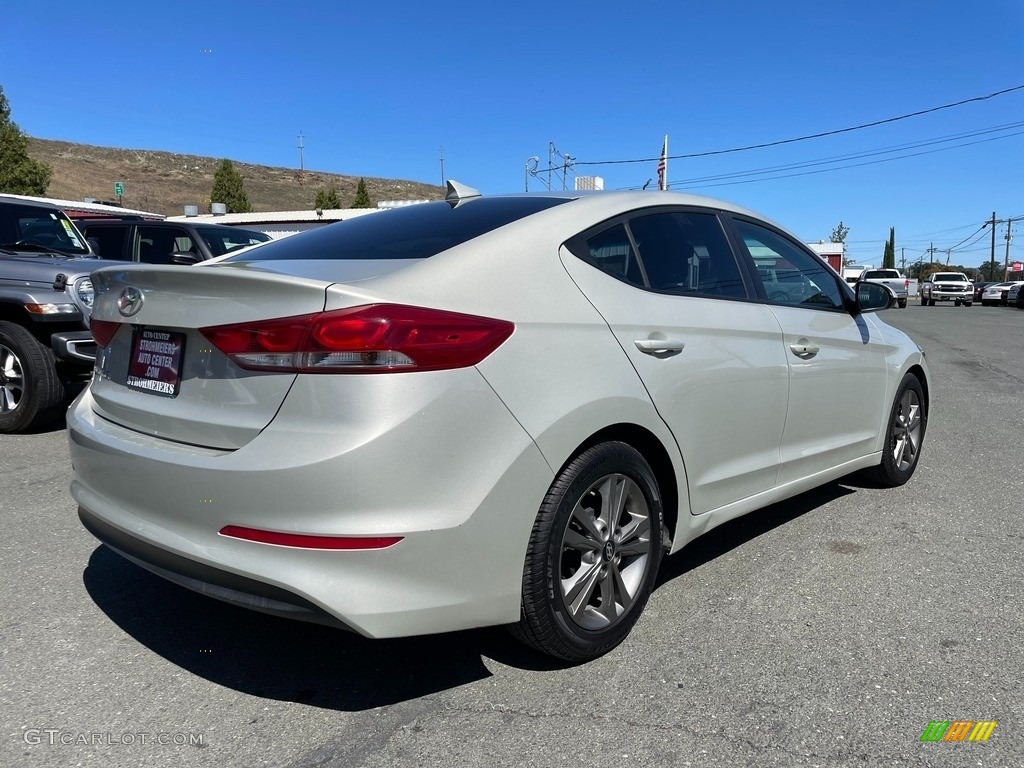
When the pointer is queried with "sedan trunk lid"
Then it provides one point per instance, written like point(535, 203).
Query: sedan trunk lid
point(159, 375)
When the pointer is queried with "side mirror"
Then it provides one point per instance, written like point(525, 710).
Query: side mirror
point(872, 297)
point(185, 258)
point(94, 246)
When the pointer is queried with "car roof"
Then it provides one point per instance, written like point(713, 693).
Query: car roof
point(28, 203)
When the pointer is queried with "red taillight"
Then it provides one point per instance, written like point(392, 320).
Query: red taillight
point(308, 541)
point(378, 338)
point(103, 331)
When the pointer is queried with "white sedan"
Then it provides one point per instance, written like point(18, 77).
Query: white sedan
point(997, 293)
point(480, 411)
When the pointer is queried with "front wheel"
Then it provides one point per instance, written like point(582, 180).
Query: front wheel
point(968, 303)
point(904, 434)
point(593, 555)
point(31, 394)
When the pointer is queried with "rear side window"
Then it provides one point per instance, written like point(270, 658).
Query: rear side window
point(109, 241)
point(156, 245)
point(414, 232)
point(687, 253)
point(676, 252)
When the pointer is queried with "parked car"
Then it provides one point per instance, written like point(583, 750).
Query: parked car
point(946, 286)
point(45, 299)
point(479, 411)
point(996, 294)
point(1013, 294)
point(980, 286)
point(167, 242)
point(897, 283)
point(1019, 302)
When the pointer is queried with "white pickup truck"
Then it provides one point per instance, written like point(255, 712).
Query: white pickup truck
point(891, 279)
point(947, 286)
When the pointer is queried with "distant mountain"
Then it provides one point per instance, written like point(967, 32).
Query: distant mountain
point(164, 182)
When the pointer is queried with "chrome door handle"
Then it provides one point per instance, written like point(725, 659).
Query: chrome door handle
point(659, 346)
point(804, 349)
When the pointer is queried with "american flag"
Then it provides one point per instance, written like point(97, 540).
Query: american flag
point(663, 166)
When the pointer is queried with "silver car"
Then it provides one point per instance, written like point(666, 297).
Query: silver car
point(480, 411)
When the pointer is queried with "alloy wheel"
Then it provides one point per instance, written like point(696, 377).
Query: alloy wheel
point(606, 552)
point(12, 380)
point(906, 430)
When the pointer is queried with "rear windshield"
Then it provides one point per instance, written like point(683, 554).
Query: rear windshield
point(412, 232)
point(223, 240)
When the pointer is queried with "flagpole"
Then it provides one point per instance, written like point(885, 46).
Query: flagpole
point(663, 167)
point(665, 154)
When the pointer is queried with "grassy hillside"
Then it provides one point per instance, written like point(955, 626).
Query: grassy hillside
point(163, 182)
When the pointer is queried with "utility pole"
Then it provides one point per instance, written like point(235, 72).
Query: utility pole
point(903, 260)
point(302, 168)
point(1006, 259)
point(992, 258)
point(441, 153)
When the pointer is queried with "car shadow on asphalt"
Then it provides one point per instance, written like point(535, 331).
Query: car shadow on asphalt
point(321, 666)
point(728, 536)
point(285, 659)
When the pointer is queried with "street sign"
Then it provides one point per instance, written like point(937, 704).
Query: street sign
point(1016, 266)
point(118, 188)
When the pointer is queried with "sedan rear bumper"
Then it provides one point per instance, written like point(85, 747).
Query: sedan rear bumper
point(464, 485)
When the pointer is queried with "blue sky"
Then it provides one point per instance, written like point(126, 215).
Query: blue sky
point(376, 89)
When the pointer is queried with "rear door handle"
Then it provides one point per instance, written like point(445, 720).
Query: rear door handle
point(659, 346)
point(804, 349)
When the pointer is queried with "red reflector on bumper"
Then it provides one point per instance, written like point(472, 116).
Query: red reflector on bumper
point(306, 541)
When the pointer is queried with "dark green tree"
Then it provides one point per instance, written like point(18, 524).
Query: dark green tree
point(992, 270)
point(228, 188)
point(362, 197)
point(327, 198)
point(889, 256)
point(19, 173)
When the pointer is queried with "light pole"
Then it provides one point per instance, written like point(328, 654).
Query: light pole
point(528, 170)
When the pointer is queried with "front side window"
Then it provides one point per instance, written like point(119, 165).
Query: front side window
point(790, 275)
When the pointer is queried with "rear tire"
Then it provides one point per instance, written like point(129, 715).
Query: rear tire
point(904, 435)
point(31, 393)
point(956, 302)
point(968, 303)
point(902, 303)
point(593, 555)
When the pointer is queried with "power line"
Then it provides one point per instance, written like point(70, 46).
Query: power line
point(863, 154)
point(857, 165)
point(812, 135)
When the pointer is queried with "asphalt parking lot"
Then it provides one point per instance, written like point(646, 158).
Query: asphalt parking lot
point(828, 630)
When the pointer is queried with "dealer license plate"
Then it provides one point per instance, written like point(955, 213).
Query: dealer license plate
point(155, 364)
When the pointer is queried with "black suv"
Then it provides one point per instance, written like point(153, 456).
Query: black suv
point(165, 242)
